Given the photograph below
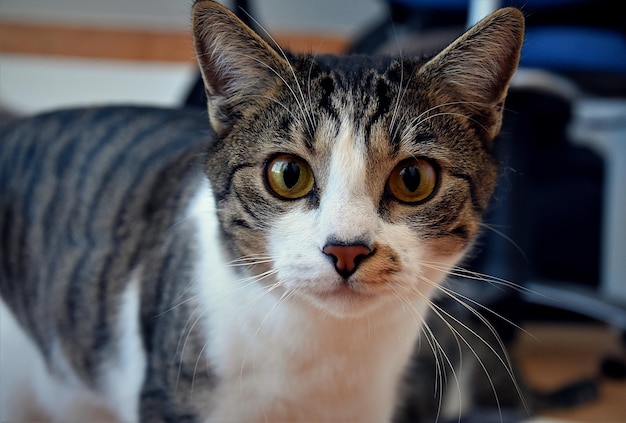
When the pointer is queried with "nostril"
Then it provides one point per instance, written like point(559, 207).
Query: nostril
point(347, 257)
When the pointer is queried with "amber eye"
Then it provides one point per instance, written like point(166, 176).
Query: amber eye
point(289, 177)
point(413, 181)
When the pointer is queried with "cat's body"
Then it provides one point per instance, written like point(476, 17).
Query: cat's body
point(107, 201)
point(289, 285)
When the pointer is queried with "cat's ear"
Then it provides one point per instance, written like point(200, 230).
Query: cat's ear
point(476, 69)
point(238, 67)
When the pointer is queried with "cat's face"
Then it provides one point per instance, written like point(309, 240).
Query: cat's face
point(351, 182)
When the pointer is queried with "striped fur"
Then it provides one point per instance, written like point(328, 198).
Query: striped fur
point(89, 197)
point(114, 264)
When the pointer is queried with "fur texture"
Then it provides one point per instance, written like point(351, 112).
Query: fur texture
point(150, 264)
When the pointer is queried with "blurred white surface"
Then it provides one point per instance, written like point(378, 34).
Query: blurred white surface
point(345, 17)
point(33, 84)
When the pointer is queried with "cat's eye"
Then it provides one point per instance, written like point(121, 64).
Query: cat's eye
point(413, 181)
point(289, 177)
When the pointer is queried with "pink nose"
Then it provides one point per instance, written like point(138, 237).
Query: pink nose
point(346, 257)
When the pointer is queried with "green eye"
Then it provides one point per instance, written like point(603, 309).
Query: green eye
point(289, 177)
point(413, 181)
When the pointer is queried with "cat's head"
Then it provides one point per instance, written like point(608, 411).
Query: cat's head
point(354, 181)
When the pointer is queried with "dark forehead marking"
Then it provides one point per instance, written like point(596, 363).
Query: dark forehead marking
point(374, 82)
point(353, 65)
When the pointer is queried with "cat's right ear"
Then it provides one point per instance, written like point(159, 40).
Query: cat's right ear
point(474, 71)
point(238, 67)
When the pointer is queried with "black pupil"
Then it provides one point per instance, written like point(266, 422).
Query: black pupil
point(291, 174)
point(411, 177)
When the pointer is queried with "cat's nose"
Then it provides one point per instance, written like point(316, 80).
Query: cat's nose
point(347, 257)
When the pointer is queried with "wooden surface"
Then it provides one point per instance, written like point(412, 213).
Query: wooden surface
point(125, 44)
point(560, 354)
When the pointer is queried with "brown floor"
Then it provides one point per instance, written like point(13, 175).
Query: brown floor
point(550, 356)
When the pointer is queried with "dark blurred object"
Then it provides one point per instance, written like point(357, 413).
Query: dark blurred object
point(613, 368)
point(584, 40)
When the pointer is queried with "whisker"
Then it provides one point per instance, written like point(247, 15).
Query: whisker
point(175, 306)
point(249, 261)
point(182, 351)
point(308, 83)
point(506, 361)
point(418, 117)
point(281, 300)
point(400, 95)
point(441, 312)
point(457, 295)
point(421, 118)
point(292, 114)
point(195, 369)
point(416, 124)
point(506, 237)
point(471, 274)
point(401, 91)
point(439, 352)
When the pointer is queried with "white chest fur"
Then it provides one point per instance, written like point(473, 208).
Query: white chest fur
point(283, 359)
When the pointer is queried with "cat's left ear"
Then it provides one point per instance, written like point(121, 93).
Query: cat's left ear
point(238, 67)
point(474, 71)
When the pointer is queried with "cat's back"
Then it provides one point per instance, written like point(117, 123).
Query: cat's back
point(82, 193)
point(51, 150)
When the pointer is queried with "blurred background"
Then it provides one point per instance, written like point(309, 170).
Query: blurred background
point(558, 222)
point(56, 53)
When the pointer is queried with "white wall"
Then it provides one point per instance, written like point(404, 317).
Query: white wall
point(344, 17)
point(34, 84)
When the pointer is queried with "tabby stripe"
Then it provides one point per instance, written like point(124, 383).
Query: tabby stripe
point(225, 193)
point(18, 230)
point(76, 297)
point(13, 246)
point(476, 206)
point(120, 162)
point(152, 310)
point(76, 215)
point(327, 84)
point(63, 213)
point(28, 168)
point(250, 209)
point(8, 275)
point(110, 268)
point(88, 219)
point(112, 123)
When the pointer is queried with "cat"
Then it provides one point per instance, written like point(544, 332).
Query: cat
point(274, 262)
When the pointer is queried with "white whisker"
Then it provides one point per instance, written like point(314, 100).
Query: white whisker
point(414, 125)
point(182, 351)
point(179, 304)
point(439, 353)
point(470, 274)
point(506, 361)
point(423, 117)
point(506, 237)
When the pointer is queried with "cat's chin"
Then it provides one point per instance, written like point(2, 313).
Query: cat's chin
point(345, 302)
